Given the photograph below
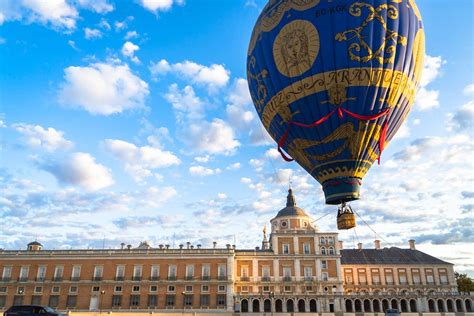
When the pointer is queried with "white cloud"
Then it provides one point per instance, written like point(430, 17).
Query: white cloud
point(462, 119)
point(129, 49)
point(201, 171)
point(92, 33)
point(49, 139)
point(272, 153)
point(240, 108)
point(159, 5)
point(73, 45)
point(202, 159)
point(185, 102)
point(257, 164)
point(215, 137)
point(81, 170)
point(58, 14)
point(131, 34)
point(103, 89)
point(214, 76)
point(98, 6)
point(222, 196)
point(428, 99)
point(245, 180)
point(104, 24)
point(469, 89)
point(140, 161)
point(234, 166)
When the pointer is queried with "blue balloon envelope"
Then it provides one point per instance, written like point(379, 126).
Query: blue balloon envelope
point(332, 82)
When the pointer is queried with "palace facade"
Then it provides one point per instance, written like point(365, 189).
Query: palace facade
point(297, 268)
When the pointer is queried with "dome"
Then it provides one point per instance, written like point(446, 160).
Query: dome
point(291, 209)
point(35, 243)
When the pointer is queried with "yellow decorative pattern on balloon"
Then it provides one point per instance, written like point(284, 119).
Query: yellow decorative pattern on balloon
point(392, 38)
point(296, 47)
point(271, 18)
point(259, 98)
point(352, 77)
point(418, 54)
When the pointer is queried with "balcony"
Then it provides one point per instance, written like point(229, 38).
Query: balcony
point(75, 278)
point(40, 279)
point(5, 279)
point(57, 279)
point(23, 279)
point(172, 278)
point(245, 278)
point(308, 279)
point(189, 278)
point(154, 278)
point(97, 279)
point(206, 278)
point(119, 278)
point(266, 279)
point(287, 279)
point(137, 278)
point(222, 277)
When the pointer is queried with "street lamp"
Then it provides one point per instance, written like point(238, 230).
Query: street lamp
point(102, 293)
point(184, 302)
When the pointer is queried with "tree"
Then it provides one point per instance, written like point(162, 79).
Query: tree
point(465, 283)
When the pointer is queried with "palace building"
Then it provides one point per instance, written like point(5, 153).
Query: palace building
point(297, 268)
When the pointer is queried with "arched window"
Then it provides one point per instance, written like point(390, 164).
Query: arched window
point(323, 250)
point(331, 250)
point(244, 306)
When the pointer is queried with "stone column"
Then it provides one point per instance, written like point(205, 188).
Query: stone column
point(296, 247)
point(230, 287)
point(276, 269)
point(255, 271)
point(445, 305)
point(297, 270)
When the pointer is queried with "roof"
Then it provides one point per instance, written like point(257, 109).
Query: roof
point(291, 209)
point(392, 255)
point(35, 243)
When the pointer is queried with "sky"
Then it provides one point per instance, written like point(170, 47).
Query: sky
point(125, 121)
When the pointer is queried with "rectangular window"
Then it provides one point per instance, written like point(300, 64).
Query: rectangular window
point(188, 300)
point(18, 299)
point(24, 271)
point(429, 276)
point(170, 300)
point(20, 290)
point(222, 272)
point(136, 288)
point(98, 270)
point(325, 276)
point(443, 277)
point(95, 289)
point(55, 289)
point(266, 273)
point(153, 300)
point(286, 249)
point(206, 272)
point(172, 272)
point(58, 273)
point(155, 272)
point(221, 299)
point(189, 272)
point(7, 273)
point(3, 289)
point(402, 276)
point(117, 300)
point(41, 274)
point(3, 300)
point(205, 288)
point(71, 301)
point(362, 276)
point(171, 288)
point(35, 300)
point(76, 273)
point(73, 289)
point(287, 289)
point(205, 299)
point(388, 276)
point(134, 300)
point(331, 240)
point(324, 264)
point(189, 288)
point(266, 289)
point(244, 273)
point(54, 301)
point(309, 288)
point(137, 272)
point(38, 289)
point(120, 273)
point(321, 240)
point(308, 273)
point(245, 289)
point(118, 289)
point(287, 273)
point(306, 249)
point(153, 288)
point(221, 288)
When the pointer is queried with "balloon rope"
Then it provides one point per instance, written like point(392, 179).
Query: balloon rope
point(377, 234)
point(340, 112)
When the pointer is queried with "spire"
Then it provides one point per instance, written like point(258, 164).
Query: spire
point(290, 199)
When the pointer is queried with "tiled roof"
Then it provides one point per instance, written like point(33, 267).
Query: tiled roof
point(392, 255)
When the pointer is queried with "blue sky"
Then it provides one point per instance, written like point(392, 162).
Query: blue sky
point(131, 120)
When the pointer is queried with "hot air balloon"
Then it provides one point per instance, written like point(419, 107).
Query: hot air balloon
point(332, 81)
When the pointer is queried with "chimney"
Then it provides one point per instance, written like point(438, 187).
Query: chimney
point(359, 246)
point(161, 246)
point(167, 246)
point(129, 247)
point(214, 244)
point(227, 246)
point(377, 244)
point(199, 246)
point(341, 244)
point(411, 242)
point(188, 244)
point(181, 246)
